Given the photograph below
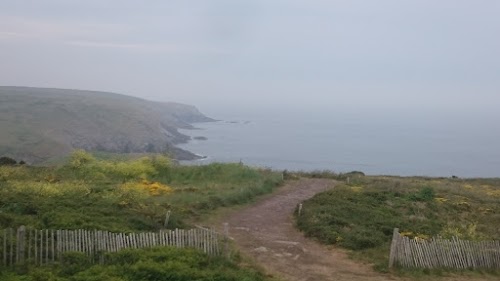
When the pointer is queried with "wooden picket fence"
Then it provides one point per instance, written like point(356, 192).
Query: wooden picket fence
point(443, 253)
point(39, 247)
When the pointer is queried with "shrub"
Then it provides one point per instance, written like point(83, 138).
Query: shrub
point(7, 161)
point(79, 158)
point(425, 194)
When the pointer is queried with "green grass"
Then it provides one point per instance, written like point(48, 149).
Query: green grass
point(131, 195)
point(128, 195)
point(156, 264)
point(360, 216)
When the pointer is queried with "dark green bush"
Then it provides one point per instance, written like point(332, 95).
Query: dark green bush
point(425, 194)
point(7, 161)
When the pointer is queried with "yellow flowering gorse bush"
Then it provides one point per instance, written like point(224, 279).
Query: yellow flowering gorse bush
point(152, 188)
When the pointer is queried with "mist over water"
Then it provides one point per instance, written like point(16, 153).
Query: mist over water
point(389, 143)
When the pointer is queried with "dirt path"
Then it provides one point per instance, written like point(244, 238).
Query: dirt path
point(265, 232)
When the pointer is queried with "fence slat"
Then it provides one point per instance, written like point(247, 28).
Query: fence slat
point(30, 237)
point(45, 246)
point(452, 253)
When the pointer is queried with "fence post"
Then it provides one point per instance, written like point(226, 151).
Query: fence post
point(4, 247)
point(300, 209)
point(394, 246)
point(21, 236)
point(226, 240)
point(11, 236)
point(167, 218)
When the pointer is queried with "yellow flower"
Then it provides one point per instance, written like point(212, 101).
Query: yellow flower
point(420, 236)
point(356, 188)
point(406, 233)
point(153, 188)
point(440, 199)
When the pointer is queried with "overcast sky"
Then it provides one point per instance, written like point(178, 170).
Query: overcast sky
point(440, 54)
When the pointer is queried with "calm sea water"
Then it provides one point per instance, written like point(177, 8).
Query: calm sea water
point(395, 143)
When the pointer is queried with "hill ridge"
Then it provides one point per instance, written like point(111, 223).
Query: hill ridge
point(39, 124)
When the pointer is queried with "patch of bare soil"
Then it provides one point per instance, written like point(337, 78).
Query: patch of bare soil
point(265, 231)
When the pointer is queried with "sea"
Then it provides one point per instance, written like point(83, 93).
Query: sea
point(398, 142)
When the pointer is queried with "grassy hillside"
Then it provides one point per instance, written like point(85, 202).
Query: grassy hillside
point(128, 196)
point(361, 215)
point(39, 124)
point(123, 195)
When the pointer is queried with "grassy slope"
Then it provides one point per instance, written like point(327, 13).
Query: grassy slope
point(361, 215)
point(38, 124)
point(128, 195)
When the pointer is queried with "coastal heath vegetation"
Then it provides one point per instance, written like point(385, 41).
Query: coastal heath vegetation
point(361, 213)
point(90, 191)
point(124, 195)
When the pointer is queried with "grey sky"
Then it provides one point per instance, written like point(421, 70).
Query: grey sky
point(437, 54)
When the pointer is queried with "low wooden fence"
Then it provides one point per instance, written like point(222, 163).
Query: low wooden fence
point(38, 247)
point(443, 253)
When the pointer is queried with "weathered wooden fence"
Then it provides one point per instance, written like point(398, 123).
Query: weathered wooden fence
point(40, 247)
point(443, 253)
